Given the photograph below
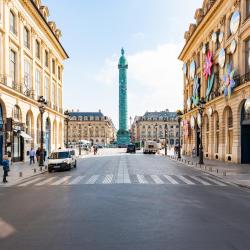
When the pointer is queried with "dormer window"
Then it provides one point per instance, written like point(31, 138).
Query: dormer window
point(13, 22)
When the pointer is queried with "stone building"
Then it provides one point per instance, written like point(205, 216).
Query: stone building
point(216, 59)
point(152, 126)
point(31, 65)
point(90, 126)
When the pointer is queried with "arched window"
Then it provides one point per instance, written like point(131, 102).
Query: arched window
point(229, 116)
point(216, 132)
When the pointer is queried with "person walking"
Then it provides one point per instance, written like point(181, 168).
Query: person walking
point(32, 155)
point(6, 168)
point(38, 152)
point(44, 155)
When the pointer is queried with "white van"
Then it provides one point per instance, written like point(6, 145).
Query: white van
point(62, 159)
point(150, 147)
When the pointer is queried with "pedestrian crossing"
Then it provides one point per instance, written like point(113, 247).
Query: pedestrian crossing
point(68, 180)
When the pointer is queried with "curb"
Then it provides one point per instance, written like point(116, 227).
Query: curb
point(210, 173)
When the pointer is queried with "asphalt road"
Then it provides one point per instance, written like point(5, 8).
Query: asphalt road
point(125, 202)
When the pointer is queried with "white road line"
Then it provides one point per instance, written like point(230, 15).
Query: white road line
point(46, 181)
point(141, 179)
point(200, 180)
point(157, 179)
point(215, 181)
point(184, 179)
point(61, 181)
point(76, 180)
point(93, 179)
point(30, 182)
point(170, 179)
point(108, 179)
point(127, 179)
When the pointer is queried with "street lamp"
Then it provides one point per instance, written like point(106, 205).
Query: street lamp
point(42, 107)
point(201, 107)
point(67, 117)
point(166, 135)
point(179, 118)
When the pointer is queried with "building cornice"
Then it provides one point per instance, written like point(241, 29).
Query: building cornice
point(40, 18)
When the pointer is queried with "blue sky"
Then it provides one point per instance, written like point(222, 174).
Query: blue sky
point(151, 31)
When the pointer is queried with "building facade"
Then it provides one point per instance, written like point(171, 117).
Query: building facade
point(90, 126)
point(156, 126)
point(216, 67)
point(31, 65)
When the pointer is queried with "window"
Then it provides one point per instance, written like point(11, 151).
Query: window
point(13, 65)
point(38, 82)
point(17, 113)
point(26, 38)
point(53, 66)
point(248, 55)
point(247, 8)
point(27, 75)
point(53, 94)
point(59, 98)
point(59, 73)
point(12, 22)
point(37, 49)
point(46, 88)
point(46, 58)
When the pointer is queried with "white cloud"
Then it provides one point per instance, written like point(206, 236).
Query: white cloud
point(154, 78)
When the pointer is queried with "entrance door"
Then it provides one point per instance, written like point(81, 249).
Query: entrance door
point(245, 144)
point(18, 147)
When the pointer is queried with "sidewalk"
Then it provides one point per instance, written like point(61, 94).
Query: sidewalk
point(238, 174)
point(19, 172)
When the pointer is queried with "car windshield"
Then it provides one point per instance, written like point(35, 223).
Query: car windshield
point(60, 155)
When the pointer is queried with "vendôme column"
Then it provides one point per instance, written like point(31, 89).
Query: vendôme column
point(123, 135)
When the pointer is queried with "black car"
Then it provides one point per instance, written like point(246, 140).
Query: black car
point(131, 148)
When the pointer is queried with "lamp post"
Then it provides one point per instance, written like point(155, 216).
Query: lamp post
point(42, 107)
point(66, 117)
point(179, 118)
point(166, 135)
point(201, 106)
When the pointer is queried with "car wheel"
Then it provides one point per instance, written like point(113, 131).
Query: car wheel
point(50, 170)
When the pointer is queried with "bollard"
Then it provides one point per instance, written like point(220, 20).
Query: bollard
point(217, 170)
point(224, 173)
point(20, 174)
point(41, 168)
point(34, 170)
point(188, 162)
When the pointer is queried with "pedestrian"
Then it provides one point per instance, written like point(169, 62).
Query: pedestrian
point(38, 152)
point(44, 155)
point(32, 154)
point(6, 167)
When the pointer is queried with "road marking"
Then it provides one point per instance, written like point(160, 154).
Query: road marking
point(157, 179)
point(76, 180)
point(141, 179)
point(45, 182)
point(200, 180)
point(108, 179)
point(61, 181)
point(215, 181)
point(93, 179)
point(170, 179)
point(184, 179)
point(30, 182)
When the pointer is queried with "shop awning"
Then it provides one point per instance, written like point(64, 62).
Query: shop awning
point(26, 136)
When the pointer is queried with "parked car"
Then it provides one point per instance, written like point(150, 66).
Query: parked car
point(63, 159)
point(131, 148)
point(150, 147)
